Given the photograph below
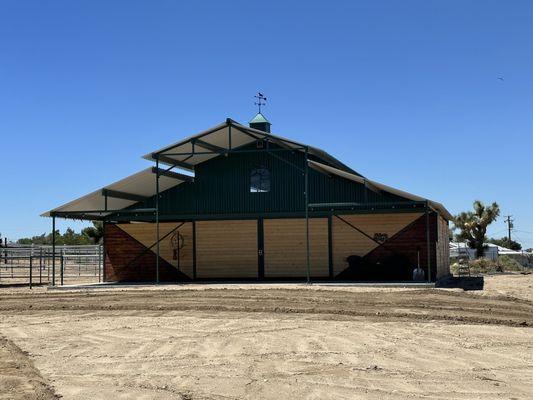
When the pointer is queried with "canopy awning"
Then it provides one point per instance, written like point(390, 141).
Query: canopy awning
point(223, 138)
point(120, 195)
point(376, 186)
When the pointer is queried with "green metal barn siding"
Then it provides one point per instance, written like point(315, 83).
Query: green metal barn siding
point(222, 186)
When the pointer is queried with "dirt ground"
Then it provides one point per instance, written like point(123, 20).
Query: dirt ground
point(269, 342)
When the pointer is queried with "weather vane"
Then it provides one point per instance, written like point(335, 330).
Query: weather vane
point(261, 100)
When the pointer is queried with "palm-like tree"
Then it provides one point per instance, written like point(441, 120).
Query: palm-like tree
point(95, 232)
point(473, 225)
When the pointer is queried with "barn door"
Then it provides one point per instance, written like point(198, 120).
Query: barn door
point(285, 248)
point(226, 249)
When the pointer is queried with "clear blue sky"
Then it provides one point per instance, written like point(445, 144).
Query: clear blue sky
point(405, 92)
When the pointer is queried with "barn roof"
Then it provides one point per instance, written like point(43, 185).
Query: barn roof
point(196, 149)
point(120, 195)
point(188, 153)
point(376, 186)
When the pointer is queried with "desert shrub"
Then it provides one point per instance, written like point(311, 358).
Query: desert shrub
point(510, 264)
point(484, 266)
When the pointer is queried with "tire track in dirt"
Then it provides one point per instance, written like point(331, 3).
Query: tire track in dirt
point(409, 305)
point(19, 379)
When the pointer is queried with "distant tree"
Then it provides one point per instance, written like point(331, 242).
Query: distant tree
point(504, 242)
point(95, 233)
point(69, 238)
point(39, 239)
point(473, 225)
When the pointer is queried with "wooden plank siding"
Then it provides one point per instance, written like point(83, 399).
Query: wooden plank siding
point(145, 233)
point(348, 241)
point(443, 248)
point(285, 247)
point(128, 260)
point(226, 249)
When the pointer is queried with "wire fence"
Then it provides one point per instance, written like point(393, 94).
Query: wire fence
point(34, 265)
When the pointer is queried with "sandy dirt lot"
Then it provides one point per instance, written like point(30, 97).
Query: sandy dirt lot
point(274, 342)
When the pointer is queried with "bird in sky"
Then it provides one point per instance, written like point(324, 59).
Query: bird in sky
point(501, 78)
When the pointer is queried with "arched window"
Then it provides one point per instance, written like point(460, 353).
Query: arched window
point(260, 180)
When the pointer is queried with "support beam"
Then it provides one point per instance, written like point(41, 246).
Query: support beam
point(172, 174)
point(279, 142)
point(205, 133)
point(122, 195)
point(264, 136)
point(330, 247)
point(157, 219)
point(171, 161)
point(370, 186)
point(103, 253)
point(285, 161)
point(249, 134)
point(211, 147)
point(334, 205)
point(308, 269)
point(53, 250)
point(124, 211)
point(428, 245)
point(359, 230)
point(322, 171)
point(194, 250)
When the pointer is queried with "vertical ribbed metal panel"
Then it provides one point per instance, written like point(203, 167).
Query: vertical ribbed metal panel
point(222, 186)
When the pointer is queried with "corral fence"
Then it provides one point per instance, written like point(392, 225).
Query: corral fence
point(33, 265)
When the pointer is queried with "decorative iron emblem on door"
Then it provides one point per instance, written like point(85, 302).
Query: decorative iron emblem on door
point(177, 241)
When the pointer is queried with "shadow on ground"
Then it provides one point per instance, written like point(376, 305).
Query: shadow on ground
point(463, 282)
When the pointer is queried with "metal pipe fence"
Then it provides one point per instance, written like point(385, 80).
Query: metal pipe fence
point(33, 264)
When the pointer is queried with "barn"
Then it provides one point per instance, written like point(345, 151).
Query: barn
point(236, 202)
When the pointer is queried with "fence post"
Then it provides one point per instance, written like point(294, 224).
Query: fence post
point(99, 263)
point(40, 265)
point(62, 265)
point(47, 262)
point(31, 266)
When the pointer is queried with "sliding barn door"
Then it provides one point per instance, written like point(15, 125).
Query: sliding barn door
point(226, 249)
point(285, 243)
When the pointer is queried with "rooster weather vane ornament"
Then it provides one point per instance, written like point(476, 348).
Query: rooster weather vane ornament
point(261, 100)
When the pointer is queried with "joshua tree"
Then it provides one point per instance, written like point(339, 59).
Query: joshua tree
point(473, 224)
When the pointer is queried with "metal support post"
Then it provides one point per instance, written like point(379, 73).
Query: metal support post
point(428, 246)
point(62, 266)
point(53, 250)
point(31, 267)
point(100, 254)
point(40, 265)
point(157, 220)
